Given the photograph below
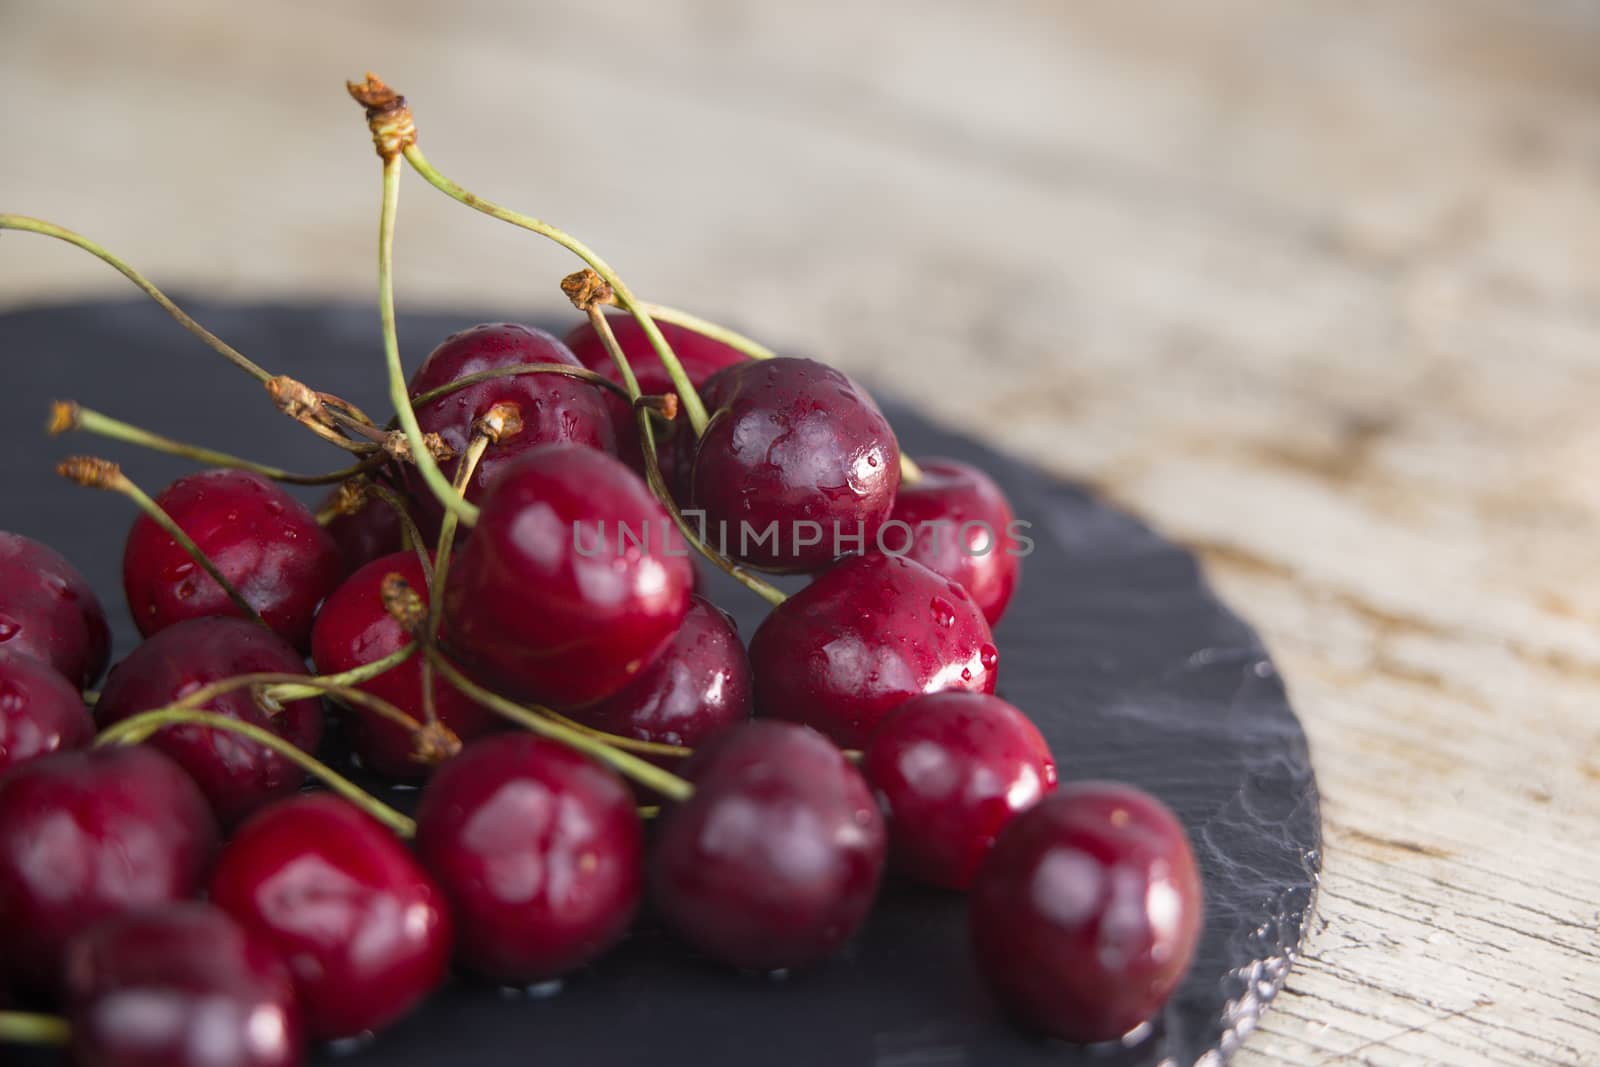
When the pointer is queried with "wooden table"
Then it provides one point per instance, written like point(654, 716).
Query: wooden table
point(1315, 287)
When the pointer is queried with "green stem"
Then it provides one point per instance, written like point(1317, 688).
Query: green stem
point(692, 405)
point(354, 676)
point(408, 526)
point(427, 466)
point(582, 374)
point(447, 536)
point(285, 687)
point(27, 1028)
point(140, 727)
point(215, 343)
point(648, 774)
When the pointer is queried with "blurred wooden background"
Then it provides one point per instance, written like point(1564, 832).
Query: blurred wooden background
point(1314, 286)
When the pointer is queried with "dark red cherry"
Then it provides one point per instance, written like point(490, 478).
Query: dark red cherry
point(701, 357)
point(236, 774)
point(797, 464)
point(553, 407)
point(365, 932)
point(951, 770)
point(87, 835)
point(372, 530)
point(775, 860)
point(40, 711)
point(48, 611)
point(539, 849)
point(698, 686)
point(264, 542)
point(865, 636)
point(957, 523)
point(354, 629)
point(1086, 912)
point(573, 582)
point(180, 986)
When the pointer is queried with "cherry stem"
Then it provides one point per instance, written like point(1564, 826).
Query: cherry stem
point(103, 474)
point(140, 727)
point(215, 343)
point(278, 688)
point(427, 466)
point(539, 722)
point(582, 374)
point(27, 1028)
point(652, 465)
point(408, 526)
point(692, 404)
point(649, 811)
point(66, 415)
point(447, 535)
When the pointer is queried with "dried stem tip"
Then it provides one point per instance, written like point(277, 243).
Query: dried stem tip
point(350, 497)
point(63, 417)
point(403, 603)
point(499, 422)
point(397, 446)
point(388, 115)
point(665, 405)
point(90, 472)
point(434, 743)
point(586, 289)
point(296, 399)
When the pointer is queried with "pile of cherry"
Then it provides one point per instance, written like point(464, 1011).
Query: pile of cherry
point(585, 728)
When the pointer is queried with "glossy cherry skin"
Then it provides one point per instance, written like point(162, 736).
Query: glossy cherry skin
point(352, 630)
point(790, 442)
point(87, 835)
point(365, 931)
point(237, 775)
point(951, 770)
point(1086, 912)
point(180, 986)
point(541, 598)
point(40, 711)
point(958, 524)
point(48, 611)
point(775, 860)
point(865, 636)
point(701, 358)
point(541, 852)
point(264, 542)
point(553, 407)
point(372, 530)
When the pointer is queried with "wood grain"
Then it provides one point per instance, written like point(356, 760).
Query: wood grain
point(1313, 286)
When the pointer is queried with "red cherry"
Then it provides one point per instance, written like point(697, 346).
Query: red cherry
point(264, 542)
point(48, 611)
point(237, 775)
point(793, 442)
point(951, 770)
point(865, 636)
point(180, 986)
point(372, 530)
point(957, 524)
point(88, 835)
point(1086, 913)
point(364, 930)
point(352, 630)
point(540, 851)
point(775, 860)
point(700, 355)
point(541, 597)
point(40, 712)
point(553, 407)
point(698, 686)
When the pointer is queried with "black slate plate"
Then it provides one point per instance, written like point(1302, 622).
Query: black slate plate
point(1114, 645)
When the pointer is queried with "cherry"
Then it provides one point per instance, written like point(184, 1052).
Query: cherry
point(236, 774)
point(553, 594)
point(48, 611)
point(1087, 911)
point(354, 629)
point(698, 686)
point(796, 449)
point(372, 530)
point(265, 543)
point(40, 711)
point(957, 523)
point(539, 849)
point(87, 835)
point(364, 930)
point(700, 355)
point(774, 861)
point(866, 635)
point(951, 770)
point(180, 986)
point(553, 407)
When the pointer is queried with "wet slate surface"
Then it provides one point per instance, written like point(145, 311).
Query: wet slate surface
point(1114, 645)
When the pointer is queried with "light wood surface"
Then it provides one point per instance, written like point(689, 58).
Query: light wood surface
point(1314, 287)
